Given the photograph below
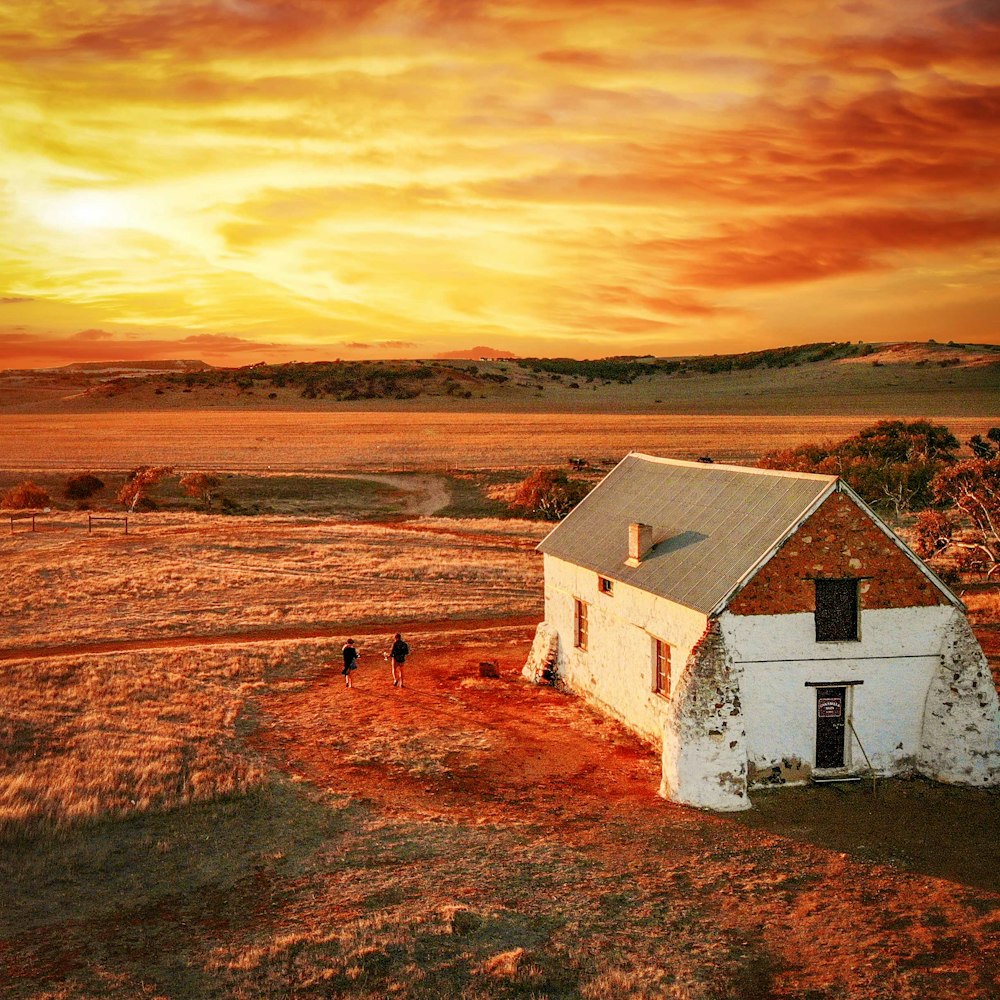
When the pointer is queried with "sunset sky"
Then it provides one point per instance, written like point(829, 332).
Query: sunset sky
point(246, 180)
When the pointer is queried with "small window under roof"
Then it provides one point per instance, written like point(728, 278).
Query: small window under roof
point(837, 610)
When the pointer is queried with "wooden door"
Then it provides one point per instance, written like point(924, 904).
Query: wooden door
point(831, 723)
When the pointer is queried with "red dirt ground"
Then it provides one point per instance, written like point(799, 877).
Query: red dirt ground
point(875, 898)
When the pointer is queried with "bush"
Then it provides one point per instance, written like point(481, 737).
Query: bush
point(891, 463)
point(968, 524)
point(135, 493)
point(24, 496)
point(550, 493)
point(82, 488)
point(202, 485)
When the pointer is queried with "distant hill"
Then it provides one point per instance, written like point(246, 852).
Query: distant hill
point(134, 366)
point(475, 354)
point(899, 379)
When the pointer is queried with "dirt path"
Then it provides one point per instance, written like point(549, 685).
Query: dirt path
point(425, 494)
point(512, 625)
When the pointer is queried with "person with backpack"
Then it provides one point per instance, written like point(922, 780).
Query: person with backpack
point(350, 662)
point(398, 654)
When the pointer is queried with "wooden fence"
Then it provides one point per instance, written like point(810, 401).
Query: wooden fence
point(23, 517)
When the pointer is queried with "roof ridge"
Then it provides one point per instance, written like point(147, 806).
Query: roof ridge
point(751, 469)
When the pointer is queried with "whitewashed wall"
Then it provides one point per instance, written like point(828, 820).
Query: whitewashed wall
point(616, 671)
point(897, 657)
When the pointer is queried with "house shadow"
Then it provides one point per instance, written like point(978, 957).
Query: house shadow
point(911, 824)
point(674, 543)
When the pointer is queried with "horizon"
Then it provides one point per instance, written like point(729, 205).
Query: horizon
point(237, 178)
point(467, 356)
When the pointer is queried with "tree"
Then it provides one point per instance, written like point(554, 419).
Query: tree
point(981, 448)
point(24, 496)
point(82, 488)
point(969, 523)
point(136, 490)
point(891, 463)
point(203, 485)
point(550, 493)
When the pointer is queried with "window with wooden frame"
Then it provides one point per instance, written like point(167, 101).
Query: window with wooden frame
point(838, 604)
point(661, 668)
point(606, 586)
point(580, 624)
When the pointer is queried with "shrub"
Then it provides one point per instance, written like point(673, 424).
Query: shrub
point(969, 524)
point(135, 492)
point(24, 496)
point(82, 488)
point(891, 463)
point(550, 493)
point(202, 485)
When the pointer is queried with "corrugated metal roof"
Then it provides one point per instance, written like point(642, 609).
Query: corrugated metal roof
point(711, 524)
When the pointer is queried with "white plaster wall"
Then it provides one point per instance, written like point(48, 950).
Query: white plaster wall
point(897, 657)
point(961, 737)
point(616, 669)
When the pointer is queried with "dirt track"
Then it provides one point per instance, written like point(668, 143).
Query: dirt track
point(331, 630)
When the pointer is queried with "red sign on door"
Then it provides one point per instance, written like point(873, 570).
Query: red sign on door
point(828, 708)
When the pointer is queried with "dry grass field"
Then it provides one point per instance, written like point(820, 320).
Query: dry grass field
point(195, 575)
point(193, 806)
point(372, 442)
point(203, 810)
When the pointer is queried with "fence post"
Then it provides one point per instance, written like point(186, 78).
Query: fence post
point(32, 522)
point(90, 524)
point(126, 524)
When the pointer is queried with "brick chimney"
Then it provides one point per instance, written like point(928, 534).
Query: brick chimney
point(640, 541)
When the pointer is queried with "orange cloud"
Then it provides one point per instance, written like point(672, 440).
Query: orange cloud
point(570, 177)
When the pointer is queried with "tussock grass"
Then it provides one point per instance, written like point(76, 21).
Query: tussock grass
point(115, 735)
point(83, 739)
point(179, 574)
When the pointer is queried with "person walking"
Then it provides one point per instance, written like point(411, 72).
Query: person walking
point(350, 662)
point(398, 654)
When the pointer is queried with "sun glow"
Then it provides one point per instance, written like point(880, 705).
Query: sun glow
point(78, 210)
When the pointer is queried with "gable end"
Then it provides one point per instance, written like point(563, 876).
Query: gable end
point(840, 540)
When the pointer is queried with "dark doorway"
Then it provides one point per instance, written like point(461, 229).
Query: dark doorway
point(830, 724)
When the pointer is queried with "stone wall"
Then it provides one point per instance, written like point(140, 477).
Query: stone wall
point(961, 731)
point(542, 663)
point(838, 540)
point(704, 740)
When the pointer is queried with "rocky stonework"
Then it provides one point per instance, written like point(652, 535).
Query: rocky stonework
point(960, 740)
point(838, 541)
point(541, 666)
point(704, 738)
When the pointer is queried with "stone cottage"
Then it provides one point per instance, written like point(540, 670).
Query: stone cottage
point(761, 627)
